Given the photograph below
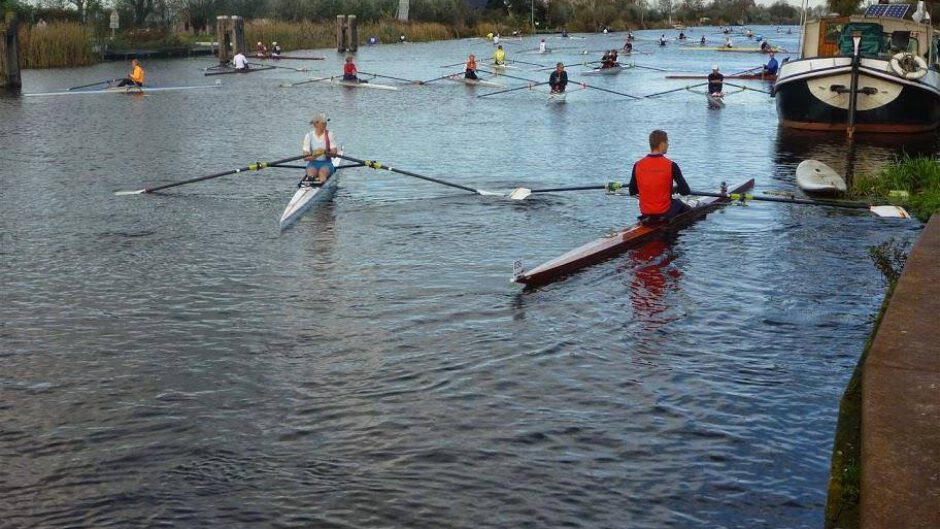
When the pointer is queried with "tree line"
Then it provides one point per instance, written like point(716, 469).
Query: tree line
point(581, 15)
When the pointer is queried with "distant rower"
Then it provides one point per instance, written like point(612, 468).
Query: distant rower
point(136, 77)
point(702, 42)
point(260, 50)
point(499, 56)
point(652, 180)
point(276, 50)
point(558, 80)
point(350, 72)
point(772, 66)
point(471, 71)
point(240, 61)
point(662, 40)
point(542, 47)
point(715, 81)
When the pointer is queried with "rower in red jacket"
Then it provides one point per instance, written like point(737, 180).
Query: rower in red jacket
point(350, 71)
point(653, 178)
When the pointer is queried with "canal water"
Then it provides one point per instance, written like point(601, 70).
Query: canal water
point(176, 360)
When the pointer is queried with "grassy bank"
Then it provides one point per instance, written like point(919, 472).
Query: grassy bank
point(55, 45)
point(918, 177)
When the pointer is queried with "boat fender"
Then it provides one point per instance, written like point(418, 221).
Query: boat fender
point(908, 65)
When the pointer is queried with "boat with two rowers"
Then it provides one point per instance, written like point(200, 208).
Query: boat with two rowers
point(618, 242)
point(611, 70)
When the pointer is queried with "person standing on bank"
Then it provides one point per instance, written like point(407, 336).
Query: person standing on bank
point(652, 179)
point(318, 149)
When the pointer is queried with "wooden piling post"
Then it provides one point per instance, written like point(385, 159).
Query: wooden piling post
point(223, 33)
point(352, 34)
point(341, 33)
point(10, 53)
point(238, 31)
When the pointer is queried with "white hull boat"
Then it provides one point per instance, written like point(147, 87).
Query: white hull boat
point(817, 178)
point(614, 70)
point(308, 195)
point(474, 82)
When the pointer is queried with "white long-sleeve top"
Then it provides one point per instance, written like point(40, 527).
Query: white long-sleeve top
point(313, 142)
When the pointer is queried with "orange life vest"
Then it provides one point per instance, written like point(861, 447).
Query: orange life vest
point(138, 75)
point(471, 64)
point(654, 183)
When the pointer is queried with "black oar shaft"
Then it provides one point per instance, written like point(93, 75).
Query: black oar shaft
point(747, 88)
point(606, 90)
point(389, 77)
point(676, 89)
point(376, 165)
point(257, 166)
point(505, 75)
point(745, 197)
point(91, 84)
point(512, 89)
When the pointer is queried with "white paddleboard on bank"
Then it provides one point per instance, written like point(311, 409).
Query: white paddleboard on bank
point(815, 177)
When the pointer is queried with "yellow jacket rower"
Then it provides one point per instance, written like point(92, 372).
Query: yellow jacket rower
point(499, 56)
point(136, 77)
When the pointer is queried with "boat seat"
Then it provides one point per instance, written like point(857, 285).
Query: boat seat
point(900, 41)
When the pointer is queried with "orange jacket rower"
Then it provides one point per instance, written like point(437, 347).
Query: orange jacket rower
point(350, 72)
point(471, 71)
point(652, 179)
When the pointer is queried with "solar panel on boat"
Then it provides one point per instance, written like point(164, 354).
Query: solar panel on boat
point(887, 10)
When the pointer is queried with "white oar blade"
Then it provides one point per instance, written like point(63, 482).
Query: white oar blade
point(520, 193)
point(488, 193)
point(138, 192)
point(896, 212)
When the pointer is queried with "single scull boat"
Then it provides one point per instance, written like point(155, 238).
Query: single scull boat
point(474, 82)
point(619, 242)
point(309, 194)
point(127, 90)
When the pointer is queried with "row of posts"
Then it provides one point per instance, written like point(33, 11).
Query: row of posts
point(230, 31)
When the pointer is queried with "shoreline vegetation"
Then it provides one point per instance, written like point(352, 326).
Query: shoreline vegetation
point(79, 34)
point(911, 182)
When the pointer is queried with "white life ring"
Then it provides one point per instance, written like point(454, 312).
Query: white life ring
point(902, 61)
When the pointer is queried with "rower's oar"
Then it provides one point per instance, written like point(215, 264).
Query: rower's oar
point(676, 89)
point(881, 211)
point(298, 83)
point(92, 84)
point(650, 68)
point(410, 81)
point(745, 71)
point(512, 89)
point(528, 63)
point(606, 90)
point(257, 166)
point(521, 193)
point(377, 165)
point(452, 65)
point(746, 88)
point(266, 66)
point(505, 75)
point(441, 77)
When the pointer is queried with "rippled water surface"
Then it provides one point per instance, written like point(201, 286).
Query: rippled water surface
point(175, 360)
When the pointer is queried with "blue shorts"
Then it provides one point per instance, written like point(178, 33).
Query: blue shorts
point(320, 164)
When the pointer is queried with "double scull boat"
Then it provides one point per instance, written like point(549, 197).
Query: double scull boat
point(616, 243)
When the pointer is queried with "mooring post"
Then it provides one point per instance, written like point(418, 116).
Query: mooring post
point(10, 53)
point(224, 35)
point(341, 33)
point(352, 34)
point(239, 44)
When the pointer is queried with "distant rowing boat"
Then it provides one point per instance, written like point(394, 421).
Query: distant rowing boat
point(614, 244)
point(734, 50)
point(359, 84)
point(750, 76)
point(613, 70)
point(127, 90)
point(474, 82)
point(288, 58)
point(228, 70)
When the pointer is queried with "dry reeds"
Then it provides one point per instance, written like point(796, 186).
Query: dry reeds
point(58, 44)
point(310, 35)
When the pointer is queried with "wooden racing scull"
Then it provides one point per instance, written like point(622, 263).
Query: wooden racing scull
point(614, 244)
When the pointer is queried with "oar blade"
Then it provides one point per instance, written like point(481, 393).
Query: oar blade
point(520, 193)
point(895, 212)
point(138, 192)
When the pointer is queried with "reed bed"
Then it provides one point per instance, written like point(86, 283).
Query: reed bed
point(59, 44)
point(310, 35)
point(919, 177)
